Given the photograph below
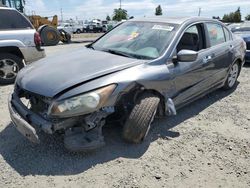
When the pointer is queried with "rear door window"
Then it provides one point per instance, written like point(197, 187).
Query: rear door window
point(215, 34)
point(11, 19)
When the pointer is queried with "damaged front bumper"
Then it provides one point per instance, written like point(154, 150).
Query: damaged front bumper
point(23, 119)
point(85, 137)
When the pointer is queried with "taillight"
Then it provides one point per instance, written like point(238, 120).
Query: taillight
point(37, 39)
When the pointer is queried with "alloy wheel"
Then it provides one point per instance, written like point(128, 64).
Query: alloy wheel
point(8, 69)
point(233, 74)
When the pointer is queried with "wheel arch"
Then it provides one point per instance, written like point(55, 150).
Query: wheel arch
point(137, 91)
point(162, 104)
point(240, 61)
point(12, 50)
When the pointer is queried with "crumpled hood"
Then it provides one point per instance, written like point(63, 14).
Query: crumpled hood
point(49, 76)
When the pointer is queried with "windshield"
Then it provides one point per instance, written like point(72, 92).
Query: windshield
point(142, 40)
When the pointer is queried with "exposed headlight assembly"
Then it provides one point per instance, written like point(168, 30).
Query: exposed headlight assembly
point(81, 104)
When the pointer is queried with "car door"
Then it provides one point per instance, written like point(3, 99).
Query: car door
point(190, 78)
point(221, 50)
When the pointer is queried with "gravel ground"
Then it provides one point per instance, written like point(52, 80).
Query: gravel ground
point(205, 145)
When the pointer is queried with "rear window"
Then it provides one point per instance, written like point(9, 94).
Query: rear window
point(11, 19)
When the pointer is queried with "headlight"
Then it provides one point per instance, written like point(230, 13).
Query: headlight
point(81, 104)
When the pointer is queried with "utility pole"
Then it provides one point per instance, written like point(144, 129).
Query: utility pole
point(61, 14)
point(199, 14)
point(120, 4)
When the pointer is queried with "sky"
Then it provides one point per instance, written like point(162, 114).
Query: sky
point(90, 9)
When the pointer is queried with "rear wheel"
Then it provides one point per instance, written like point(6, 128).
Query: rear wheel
point(232, 76)
point(78, 31)
point(50, 36)
point(139, 121)
point(9, 66)
point(66, 38)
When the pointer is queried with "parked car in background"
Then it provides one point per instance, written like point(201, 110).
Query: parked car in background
point(94, 28)
point(243, 30)
point(20, 44)
point(140, 69)
point(71, 27)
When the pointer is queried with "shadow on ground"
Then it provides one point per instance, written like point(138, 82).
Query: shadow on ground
point(50, 157)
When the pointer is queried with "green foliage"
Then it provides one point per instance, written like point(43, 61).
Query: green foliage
point(232, 16)
point(158, 10)
point(108, 18)
point(120, 14)
point(247, 17)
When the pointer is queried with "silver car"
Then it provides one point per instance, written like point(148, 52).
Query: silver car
point(20, 44)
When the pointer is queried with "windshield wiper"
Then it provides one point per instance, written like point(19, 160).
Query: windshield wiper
point(90, 46)
point(118, 53)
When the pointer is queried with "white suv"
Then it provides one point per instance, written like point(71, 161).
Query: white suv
point(20, 44)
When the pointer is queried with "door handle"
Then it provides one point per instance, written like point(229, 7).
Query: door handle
point(207, 59)
point(231, 48)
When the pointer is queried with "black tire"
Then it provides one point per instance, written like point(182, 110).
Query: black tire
point(67, 38)
point(10, 60)
point(233, 73)
point(138, 123)
point(78, 31)
point(50, 36)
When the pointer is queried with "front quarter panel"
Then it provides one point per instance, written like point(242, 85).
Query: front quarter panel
point(150, 77)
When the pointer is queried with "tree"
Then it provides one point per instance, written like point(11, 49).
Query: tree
point(247, 17)
point(158, 10)
point(237, 15)
point(120, 14)
point(232, 16)
point(108, 18)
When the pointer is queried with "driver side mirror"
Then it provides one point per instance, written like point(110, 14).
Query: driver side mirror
point(185, 56)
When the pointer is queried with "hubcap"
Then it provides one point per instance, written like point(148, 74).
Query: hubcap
point(51, 36)
point(233, 75)
point(8, 69)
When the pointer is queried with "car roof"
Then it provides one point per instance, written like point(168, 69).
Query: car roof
point(173, 20)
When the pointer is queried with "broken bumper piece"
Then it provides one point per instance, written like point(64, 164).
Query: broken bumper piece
point(77, 140)
point(21, 124)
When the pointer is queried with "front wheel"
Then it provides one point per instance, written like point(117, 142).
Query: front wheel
point(232, 76)
point(139, 121)
point(9, 66)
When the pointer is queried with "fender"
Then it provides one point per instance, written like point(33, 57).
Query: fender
point(13, 43)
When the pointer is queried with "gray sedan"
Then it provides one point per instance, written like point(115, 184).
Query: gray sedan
point(140, 69)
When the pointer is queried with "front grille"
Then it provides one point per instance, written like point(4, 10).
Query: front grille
point(38, 103)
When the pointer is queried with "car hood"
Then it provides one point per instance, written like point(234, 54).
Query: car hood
point(53, 75)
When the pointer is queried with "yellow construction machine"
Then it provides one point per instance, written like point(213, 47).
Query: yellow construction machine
point(48, 31)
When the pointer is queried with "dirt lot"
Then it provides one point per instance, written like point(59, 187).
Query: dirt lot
point(206, 145)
